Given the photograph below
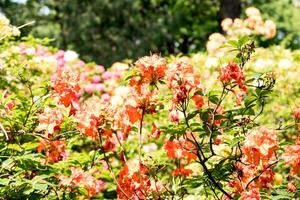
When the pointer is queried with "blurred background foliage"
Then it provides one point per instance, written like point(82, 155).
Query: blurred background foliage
point(106, 31)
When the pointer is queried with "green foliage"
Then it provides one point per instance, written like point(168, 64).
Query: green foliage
point(106, 31)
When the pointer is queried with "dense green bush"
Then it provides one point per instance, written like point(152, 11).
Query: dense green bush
point(215, 125)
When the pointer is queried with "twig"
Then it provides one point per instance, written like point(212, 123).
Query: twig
point(110, 169)
point(4, 131)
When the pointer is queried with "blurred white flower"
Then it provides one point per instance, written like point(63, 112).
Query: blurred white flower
point(260, 64)
point(150, 147)
point(70, 56)
point(285, 63)
point(211, 62)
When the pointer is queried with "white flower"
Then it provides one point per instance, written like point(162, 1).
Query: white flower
point(260, 64)
point(70, 56)
point(211, 62)
point(285, 64)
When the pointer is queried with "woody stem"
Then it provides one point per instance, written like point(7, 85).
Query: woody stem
point(203, 160)
point(140, 134)
point(110, 168)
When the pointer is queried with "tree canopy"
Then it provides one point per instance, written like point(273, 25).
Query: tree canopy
point(106, 31)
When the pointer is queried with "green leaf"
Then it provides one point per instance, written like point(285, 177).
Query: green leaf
point(214, 99)
point(4, 181)
point(249, 100)
point(236, 140)
point(250, 111)
point(199, 93)
point(192, 114)
point(40, 186)
point(7, 163)
point(243, 40)
point(233, 43)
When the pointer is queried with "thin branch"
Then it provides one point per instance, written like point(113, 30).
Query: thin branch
point(4, 131)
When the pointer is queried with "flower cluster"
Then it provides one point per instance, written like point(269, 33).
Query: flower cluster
point(150, 70)
point(7, 30)
point(182, 150)
point(184, 83)
point(297, 117)
point(254, 170)
point(253, 24)
point(291, 156)
point(50, 120)
point(54, 150)
point(234, 28)
point(233, 72)
point(96, 118)
point(66, 87)
point(88, 117)
point(82, 179)
point(215, 41)
point(134, 182)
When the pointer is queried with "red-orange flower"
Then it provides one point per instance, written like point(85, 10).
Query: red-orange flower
point(134, 182)
point(182, 172)
point(297, 113)
point(184, 82)
point(133, 113)
point(66, 87)
point(137, 104)
point(181, 149)
point(54, 150)
point(252, 194)
point(150, 70)
point(9, 106)
point(297, 117)
point(291, 187)
point(153, 67)
point(50, 120)
point(155, 132)
point(88, 117)
point(291, 156)
point(260, 146)
point(198, 99)
point(80, 178)
point(233, 72)
point(254, 170)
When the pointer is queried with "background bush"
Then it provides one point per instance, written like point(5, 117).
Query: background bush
point(105, 31)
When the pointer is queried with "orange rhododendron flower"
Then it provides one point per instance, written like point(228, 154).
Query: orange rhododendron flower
point(50, 120)
point(233, 72)
point(54, 150)
point(297, 113)
point(152, 68)
point(66, 87)
point(198, 99)
point(252, 194)
point(182, 172)
point(254, 170)
point(155, 132)
point(260, 146)
point(184, 82)
point(291, 187)
point(291, 156)
point(80, 178)
point(181, 149)
point(134, 183)
point(133, 113)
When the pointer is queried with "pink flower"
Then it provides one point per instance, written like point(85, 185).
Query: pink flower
point(96, 79)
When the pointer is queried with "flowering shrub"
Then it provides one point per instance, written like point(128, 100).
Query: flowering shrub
point(161, 128)
point(253, 25)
